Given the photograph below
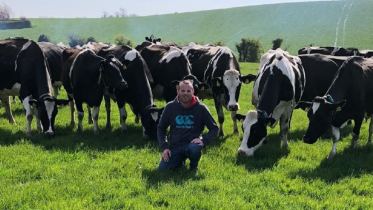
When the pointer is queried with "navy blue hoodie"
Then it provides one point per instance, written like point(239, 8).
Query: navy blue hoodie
point(185, 124)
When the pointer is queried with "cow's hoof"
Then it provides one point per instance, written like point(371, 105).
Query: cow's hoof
point(331, 156)
point(284, 145)
point(221, 134)
point(72, 124)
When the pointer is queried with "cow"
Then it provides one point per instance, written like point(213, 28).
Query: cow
point(88, 77)
point(35, 88)
point(218, 68)
point(138, 94)
point(166, 64)
point(348, 97)
point(337, 51)
point(9, 49)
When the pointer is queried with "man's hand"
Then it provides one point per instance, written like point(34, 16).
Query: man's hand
point(197, 141)
point(166, 155)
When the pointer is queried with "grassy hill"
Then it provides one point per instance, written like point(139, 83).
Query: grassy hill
point(299, 24)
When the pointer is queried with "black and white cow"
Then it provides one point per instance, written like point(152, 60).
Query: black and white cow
point(33, 76)
point(167, 64)
point(218, 68)
point(277, 90)
point(337, 51)
point(348, 97)
point(87, 79)
point(319, 73)
point(138, 94)
point(9, 49)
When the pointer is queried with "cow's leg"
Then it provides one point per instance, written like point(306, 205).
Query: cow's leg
point(79, 108)
point(334, 149)
point(95, 112)
point(56, 90)
point(89, 115)
point(27, 106)
point(233, 116)
point(123, 117)
point(8, 110)
point(284, 127)
point(72, 110)
point(356, 131)
point(108, 111)
point(219, 110)
point(370, 130)
point(37, 118)
point(137, 117)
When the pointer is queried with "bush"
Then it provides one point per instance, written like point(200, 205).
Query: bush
point(43, 38)
point(276, 43)
point(91, 39)
point(75, 40)
point(249, 50)
point(122, 40)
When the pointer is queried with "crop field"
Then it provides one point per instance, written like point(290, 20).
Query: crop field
point(115, 170)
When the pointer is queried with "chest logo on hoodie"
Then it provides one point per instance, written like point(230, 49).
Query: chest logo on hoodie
point(184, 121)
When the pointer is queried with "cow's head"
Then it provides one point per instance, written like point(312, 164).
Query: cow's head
point(197, 85)
point(150, 119)
point(320, 116)
point(47, 111)
point(255, 131)
point(230, 84)
point(111, 73)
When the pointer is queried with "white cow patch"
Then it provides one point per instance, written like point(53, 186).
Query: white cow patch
point(251, 119)
point(14, 91)
point(171, 54)
point(336, 133)
point(131, 55)
point(49, 106)
point(155, 115)
point(315, 107)
point(280, 109)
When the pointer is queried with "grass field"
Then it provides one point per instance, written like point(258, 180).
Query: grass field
point(347, 23)
point(116, 170)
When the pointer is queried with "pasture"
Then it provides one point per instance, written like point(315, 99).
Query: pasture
point(115, 170)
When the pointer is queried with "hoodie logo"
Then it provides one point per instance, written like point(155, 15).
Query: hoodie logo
point(184, 121)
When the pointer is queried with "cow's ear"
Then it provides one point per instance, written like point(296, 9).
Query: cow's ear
point(33, 102)
point(203, 86)
point(240, 117)
point(62, 102)
point(248, 78)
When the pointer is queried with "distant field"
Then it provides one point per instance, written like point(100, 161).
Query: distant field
point(348, 23)
point(115, 170)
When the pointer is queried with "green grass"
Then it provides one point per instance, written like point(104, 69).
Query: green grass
point(298, 24)
point(116, 170)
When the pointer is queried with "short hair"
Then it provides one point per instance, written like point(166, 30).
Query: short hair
point(186, 82)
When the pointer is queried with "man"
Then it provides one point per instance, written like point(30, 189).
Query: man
point(187, 118)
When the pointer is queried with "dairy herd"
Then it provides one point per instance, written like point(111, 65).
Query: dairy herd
point(333, 85)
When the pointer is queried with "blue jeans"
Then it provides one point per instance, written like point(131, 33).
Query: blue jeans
point(180, 154)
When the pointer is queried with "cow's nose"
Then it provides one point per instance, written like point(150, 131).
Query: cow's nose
point(233, 107)
point(307, 139)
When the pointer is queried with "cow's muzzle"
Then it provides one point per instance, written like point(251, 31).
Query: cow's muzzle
point(233, 107)
point(308, 139)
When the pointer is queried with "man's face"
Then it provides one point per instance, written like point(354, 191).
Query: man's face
point(185, 92)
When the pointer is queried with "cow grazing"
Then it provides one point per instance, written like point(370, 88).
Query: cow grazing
point(218, 68)
point(166, 64)
point(36, 87)
point(348, 97)
point(279, 87)
point(87, 79)
point(138, 94)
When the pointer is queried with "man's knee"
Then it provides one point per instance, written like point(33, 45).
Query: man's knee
point(194, 150)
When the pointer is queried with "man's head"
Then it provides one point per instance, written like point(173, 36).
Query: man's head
point(185, 91)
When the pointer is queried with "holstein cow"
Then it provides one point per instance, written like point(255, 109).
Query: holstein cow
point(218, 67)
point(278, 88)
point(337, 51)
point(36, 87)
point(348, 97)
point(319, 73)
point(9, 49)
point(138, 94)
point(167, 64)
point(88, 77)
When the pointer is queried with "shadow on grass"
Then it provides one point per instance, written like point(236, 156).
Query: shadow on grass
point(68, 139)
point(154, 178)
point(266, 156)
point(348, 163)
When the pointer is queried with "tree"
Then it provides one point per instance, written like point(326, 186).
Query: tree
point(122, 40)
point(5, 12)
point(75, 40)
point(43, 38)
point(91, 39)
point(249, 50)
point(276, 43)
